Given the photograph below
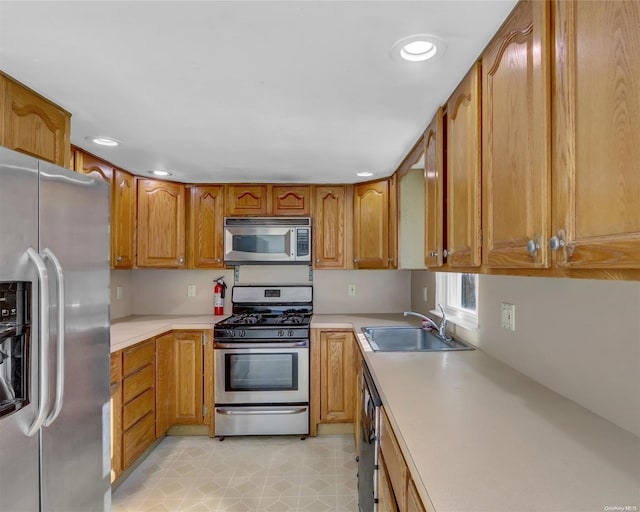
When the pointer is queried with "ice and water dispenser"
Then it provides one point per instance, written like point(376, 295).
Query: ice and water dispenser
point(15, 339)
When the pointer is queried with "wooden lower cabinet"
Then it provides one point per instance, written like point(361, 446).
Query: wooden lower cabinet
point(396, 490)
point(138, 418)
point(116, 415)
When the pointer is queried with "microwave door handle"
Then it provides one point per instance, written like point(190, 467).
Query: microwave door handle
point(43, 317)
point(48, 254)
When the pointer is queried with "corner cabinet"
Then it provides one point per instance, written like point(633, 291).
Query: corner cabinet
point(516, 140)
point(161, 224)
point(33, 125)
point(331, 216)
point(596, 223)
point(374, 224)
point(205, 235)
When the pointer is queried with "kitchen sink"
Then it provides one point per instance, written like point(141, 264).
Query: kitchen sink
point(410, 339)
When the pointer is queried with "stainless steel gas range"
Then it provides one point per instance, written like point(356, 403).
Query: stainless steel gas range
point(262, 362)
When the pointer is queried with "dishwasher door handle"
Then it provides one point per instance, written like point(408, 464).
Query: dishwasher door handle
point(246, 411)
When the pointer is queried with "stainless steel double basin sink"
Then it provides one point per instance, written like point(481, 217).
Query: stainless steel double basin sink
point(410, 339)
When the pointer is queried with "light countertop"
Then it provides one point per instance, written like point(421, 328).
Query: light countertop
point(477, 435)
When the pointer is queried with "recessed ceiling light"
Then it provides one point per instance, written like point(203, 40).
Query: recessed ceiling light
point(105, 141)
point(161, 173)
point(418, 48)
point(365, 174)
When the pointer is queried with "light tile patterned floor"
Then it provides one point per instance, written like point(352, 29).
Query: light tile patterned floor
point(244, 474)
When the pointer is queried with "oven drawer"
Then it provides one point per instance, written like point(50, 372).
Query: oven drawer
point(261, 420)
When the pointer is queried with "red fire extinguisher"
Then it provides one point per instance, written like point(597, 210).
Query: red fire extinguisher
point(218, 296)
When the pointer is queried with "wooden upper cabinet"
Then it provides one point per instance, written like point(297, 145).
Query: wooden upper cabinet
point(161, 224)
point(516, 140)
point(32, 124)
point(246, 200)
point(434, 191)
point(205, 231)
point(93, 166)
point(371, 224)
point(123, 220)
point(289, 200)
point(463, 173)
point(330, 207)
point(597, 143)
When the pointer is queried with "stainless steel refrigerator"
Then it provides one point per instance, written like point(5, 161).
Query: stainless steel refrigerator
point(54, 369)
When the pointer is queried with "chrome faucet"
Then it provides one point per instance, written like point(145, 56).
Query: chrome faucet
point(442, 328)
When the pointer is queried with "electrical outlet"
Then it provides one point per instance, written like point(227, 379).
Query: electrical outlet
point(191, 290)
point(425, 295)
point(118, 292)
point(352, 290)
point(508, 316)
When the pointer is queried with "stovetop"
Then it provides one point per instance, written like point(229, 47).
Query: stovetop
point(288, 317)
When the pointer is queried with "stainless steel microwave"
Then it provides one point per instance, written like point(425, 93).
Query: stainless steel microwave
point(267, 240)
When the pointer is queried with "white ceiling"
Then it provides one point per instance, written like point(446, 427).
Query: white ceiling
point(265, 91)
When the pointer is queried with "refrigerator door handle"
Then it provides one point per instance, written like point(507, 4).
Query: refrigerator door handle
point(48, 254)
point(43, 314)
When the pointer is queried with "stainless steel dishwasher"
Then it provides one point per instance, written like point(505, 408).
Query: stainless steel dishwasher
point(369, 444)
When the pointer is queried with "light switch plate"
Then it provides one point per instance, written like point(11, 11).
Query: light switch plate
point(508, 316)
point(191, 290)
point(118, 292)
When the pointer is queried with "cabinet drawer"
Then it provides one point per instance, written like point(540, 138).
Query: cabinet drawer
point(137, 383)
point(394, 460)
point(138, 356)
point(116, 367)
point(138, 408)
point(138, 438)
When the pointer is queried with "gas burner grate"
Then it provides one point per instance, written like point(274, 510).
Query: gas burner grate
point(245, 318)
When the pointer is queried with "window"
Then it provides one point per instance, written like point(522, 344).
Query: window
point(458, 294)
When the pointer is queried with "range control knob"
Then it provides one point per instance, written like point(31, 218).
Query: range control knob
point(290, 333)
point(280, 333)
point(242, 333)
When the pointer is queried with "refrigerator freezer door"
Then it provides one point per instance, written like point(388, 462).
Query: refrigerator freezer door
point(74, 226)
point(18, 231)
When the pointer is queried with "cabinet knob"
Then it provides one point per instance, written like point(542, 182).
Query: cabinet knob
point(218, 260)
point(556, 243)
point(180, 260)
point(532, 247)
point(433, 254)
point(445, 253)
point(119, 258)
point(355, 260)
point(317, 260)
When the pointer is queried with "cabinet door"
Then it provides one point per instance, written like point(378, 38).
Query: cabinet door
point(463, 173)
point(393, 221)
point(123, 218)
point(516, 140)
point(116, 415)
point(386, 499)
point(165, 384)
point(336, 376)
point(597, 127)
point(205, 240)
point(93, 166)
point(329, 226)
point(161, 224)
point(290, 200)
point(246, 200)
point(371, 225)
point(188, 377)
point(33, 125)
point(434, 191)
point(414, 503)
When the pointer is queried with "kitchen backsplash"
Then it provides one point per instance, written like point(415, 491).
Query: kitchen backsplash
point(165, 292)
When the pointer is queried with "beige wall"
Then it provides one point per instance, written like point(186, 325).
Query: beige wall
point(580, 338)
point(164, 292)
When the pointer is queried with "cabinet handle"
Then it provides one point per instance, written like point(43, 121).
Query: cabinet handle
point(532, 247)
point(556, 243)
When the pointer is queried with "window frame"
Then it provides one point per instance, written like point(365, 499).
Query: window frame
point(448, 285)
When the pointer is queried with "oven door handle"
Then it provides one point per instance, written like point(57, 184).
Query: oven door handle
point(297, 344)
point(246, 411)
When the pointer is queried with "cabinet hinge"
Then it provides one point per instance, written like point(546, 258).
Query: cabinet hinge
point(205, 410)
point(203, 337)
point(481, 240)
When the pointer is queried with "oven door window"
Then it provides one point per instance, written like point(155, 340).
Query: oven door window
point(261, 371)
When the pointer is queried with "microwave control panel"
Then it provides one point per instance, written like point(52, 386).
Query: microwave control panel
point(302, 235)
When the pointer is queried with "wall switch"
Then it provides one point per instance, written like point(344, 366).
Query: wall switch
point(191, 290)
point(352, 290)
point(508, 316)
point(425, 295)
point(118, 292)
